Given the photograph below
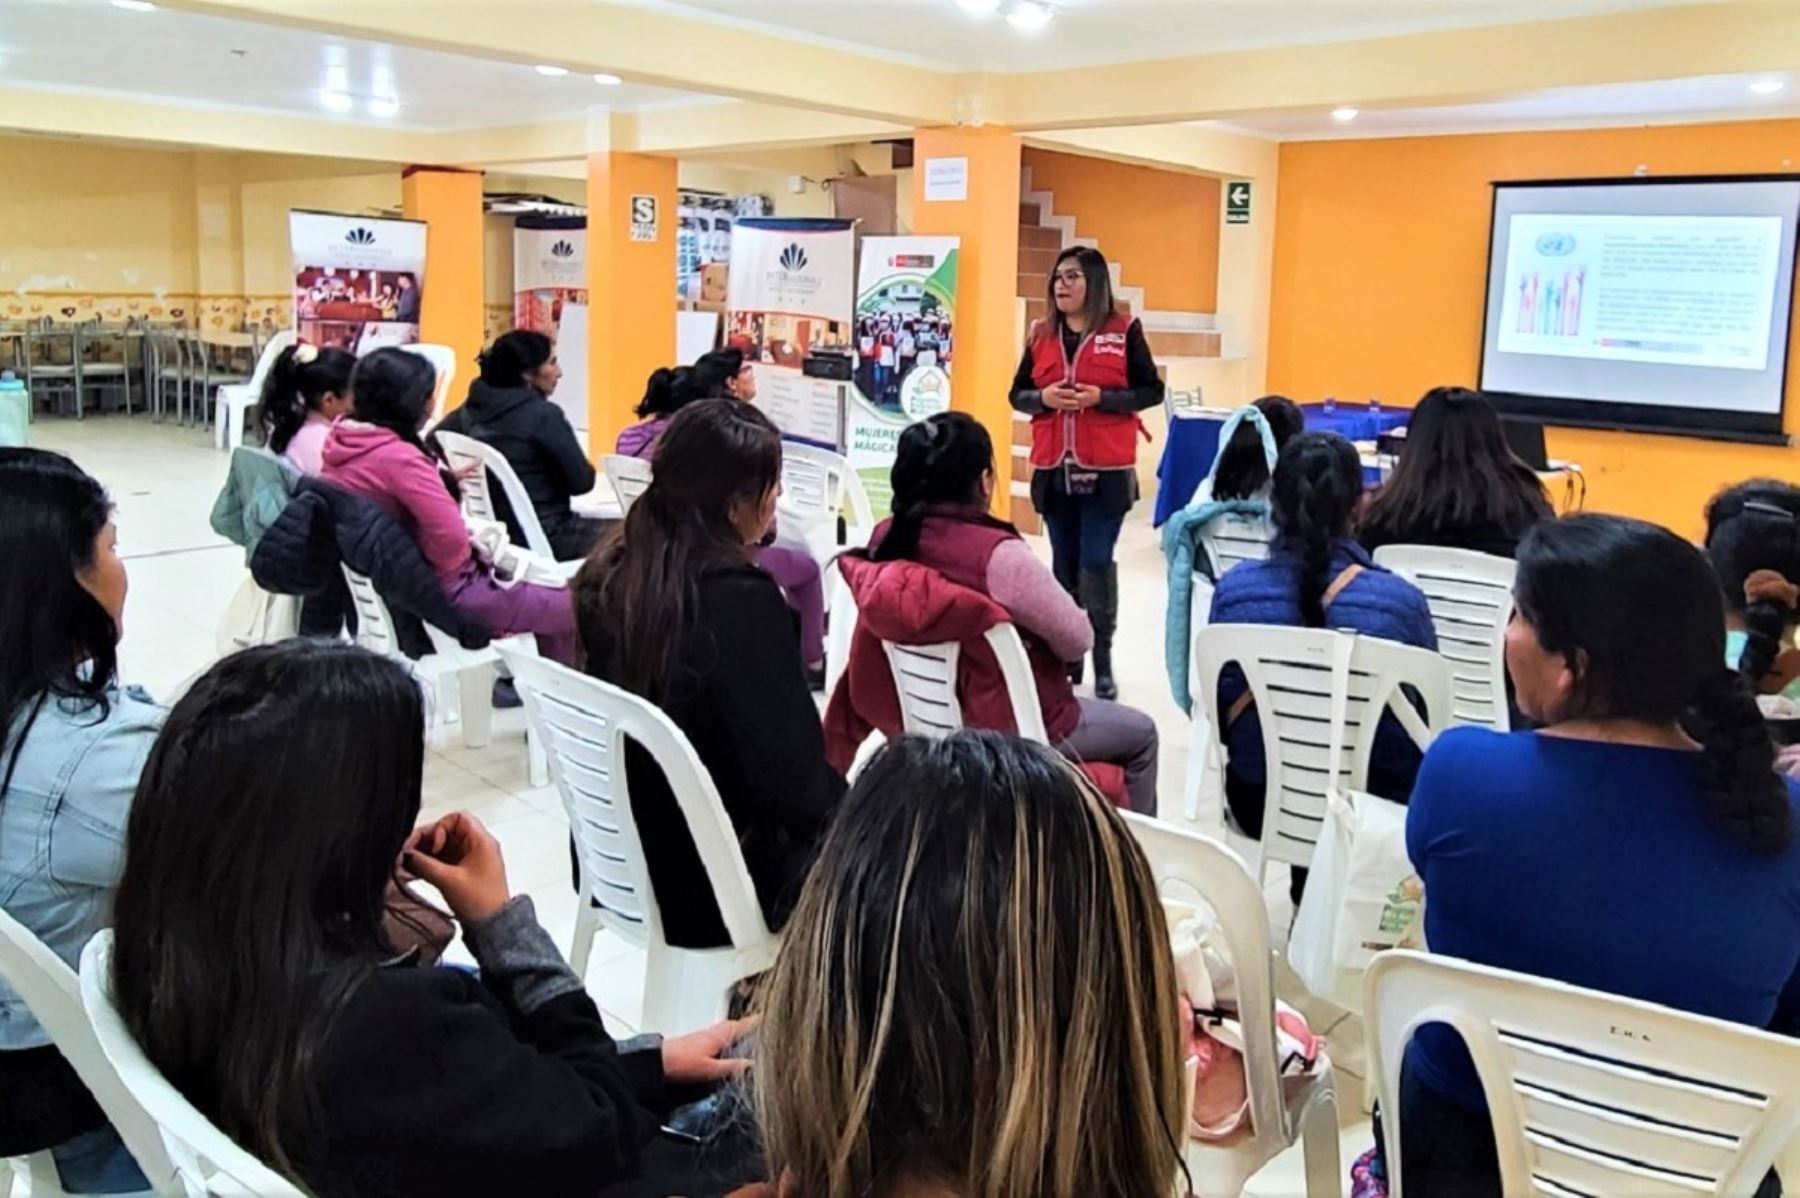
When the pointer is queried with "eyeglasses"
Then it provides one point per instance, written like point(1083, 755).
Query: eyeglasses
point(1071, 277)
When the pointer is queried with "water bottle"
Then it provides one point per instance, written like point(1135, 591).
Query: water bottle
point(15, 409)
point(1375, 406)
point(1331, 405)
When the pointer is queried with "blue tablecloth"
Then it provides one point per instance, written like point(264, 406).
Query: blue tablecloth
point(1355, 421)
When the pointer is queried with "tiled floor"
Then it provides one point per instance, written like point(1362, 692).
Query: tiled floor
point(164, 480)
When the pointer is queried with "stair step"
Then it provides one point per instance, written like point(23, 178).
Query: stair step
point(1184, 345)
point(1037, 260)
point(1035, 236)
point(1029, 214)
point(1032, 286)
point(1036, 308)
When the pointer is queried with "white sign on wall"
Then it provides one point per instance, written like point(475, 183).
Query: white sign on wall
point(643, 218)
point(946, 179)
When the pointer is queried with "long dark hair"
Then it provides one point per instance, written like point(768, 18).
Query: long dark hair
point(262, 838)
point(295, 387)
point(938, 460)
point(1456, 471)
point(513, 356)
point(1318, 483)
point(56, 640)
point(635, 597)
point(668, 390)
point(1100, 306)
point(713, 372)
point(1243, 469)
point(1635, 611)
point(1750, 527)
point(394, 390)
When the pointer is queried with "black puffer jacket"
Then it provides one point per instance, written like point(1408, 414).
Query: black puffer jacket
point(324, 528)
point(536, 440)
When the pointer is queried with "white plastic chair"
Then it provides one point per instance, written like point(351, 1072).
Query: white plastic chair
point(205, 1160)
point(1470, 596)
point(1196, 869)
point(583, 724)
point(1320, 695)
point(629, 477)
point(443, 360)
point(478, 500)
point(236, 399)
point(1592, 1093)
point(818, 488)
point(52, 992)
point(840, 627)
point(925, 680)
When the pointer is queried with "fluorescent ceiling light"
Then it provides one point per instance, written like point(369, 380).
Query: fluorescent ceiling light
point(384, 106)
point(1762, 87)
point(980, 8)
point(134, 5)
point(550, 72)
point(1029, 16)
point(1343, 115)
point(605, 80)
point(335, 101)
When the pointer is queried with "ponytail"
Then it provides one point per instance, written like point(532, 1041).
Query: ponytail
point(301, 377)
point(1753, 540)
point(1318, 482)
point(938, 460)
point(667, 391)
point(1741, 784)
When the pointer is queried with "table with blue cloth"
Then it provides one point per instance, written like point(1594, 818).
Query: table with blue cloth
point(1193, 442)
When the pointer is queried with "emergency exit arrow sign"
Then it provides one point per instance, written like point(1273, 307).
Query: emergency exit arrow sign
point(1237, 203)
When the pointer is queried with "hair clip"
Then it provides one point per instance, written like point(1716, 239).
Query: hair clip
point(305, 354)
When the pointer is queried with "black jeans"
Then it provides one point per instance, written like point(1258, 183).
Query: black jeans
point(1247, 801)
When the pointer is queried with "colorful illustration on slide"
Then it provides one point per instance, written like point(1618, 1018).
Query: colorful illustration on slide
point(1550, 305)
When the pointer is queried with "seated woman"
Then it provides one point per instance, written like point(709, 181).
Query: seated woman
point(72, 743)
point(674, 609)
point(1644, 821)
point(252, 964)
point(509, 408)
point(1753, 539)
point(376, 453)
point(1456, 483)
point(976, 993)
point(943, 480)
point(728, 374)
point(307, 389)
point(1315, 577)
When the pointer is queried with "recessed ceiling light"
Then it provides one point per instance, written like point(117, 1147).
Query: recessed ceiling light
point(384, 106)
point(1762, 87)
point(980, 8)
point(1029, 16)
point(134, 5)
point(1343, 115)
point(605, 80)
point(551, 72)
point(335, 101)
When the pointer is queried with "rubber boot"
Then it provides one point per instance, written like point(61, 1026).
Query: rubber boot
point(1100, 595)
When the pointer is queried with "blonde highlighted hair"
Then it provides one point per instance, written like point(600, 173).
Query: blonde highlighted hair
point(975, 991)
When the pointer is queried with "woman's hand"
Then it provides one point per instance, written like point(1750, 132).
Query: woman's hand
point(462, 859)
point(1787, 761)
point(695, 1056)
point(1061, 399)
point(1086, 397)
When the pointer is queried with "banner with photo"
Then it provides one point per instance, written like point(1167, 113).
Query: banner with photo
point(905, 329)
point(550, 296)
point(359, 281)
point(788, 308)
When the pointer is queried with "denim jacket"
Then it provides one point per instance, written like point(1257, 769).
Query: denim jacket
point(62, 828)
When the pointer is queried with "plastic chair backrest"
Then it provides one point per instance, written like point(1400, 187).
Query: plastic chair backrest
point(1470, 596)
point(52, 992)
point(443, 360)
point(1319, 698)
point(1592, 1093)
point(583, 724)
point(629, 476)
point(840, 627)
point(461, 449)
point(1195, 869)
point(265, 361)
point(925, 680)
point(819, 484)
point(1233, 537)
point(200, 1151)
point(374, 624)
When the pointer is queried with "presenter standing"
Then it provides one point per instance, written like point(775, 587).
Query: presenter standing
point(1086, 374)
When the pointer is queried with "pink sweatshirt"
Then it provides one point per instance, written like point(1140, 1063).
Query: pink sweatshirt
point(306, 451)
point(404, 482)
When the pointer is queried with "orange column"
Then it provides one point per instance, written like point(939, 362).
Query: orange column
point(450, 312)
point(987, 282)
point(631, 285)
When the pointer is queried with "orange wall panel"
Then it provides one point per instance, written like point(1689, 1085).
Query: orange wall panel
point(1381, 267)
point(1161, 226)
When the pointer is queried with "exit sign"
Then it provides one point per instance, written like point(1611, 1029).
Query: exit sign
point(1237, 203)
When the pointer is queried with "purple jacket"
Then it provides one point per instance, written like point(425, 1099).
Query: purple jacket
point(639, 440)
point(403, 481)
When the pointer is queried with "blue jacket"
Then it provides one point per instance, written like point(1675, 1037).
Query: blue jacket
point(1375, 603)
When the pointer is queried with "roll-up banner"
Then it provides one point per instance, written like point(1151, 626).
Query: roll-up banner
point(788, 308)
point(905, 330)
point(358, 280)
point(550, 296)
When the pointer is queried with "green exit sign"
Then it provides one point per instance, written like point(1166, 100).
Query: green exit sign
point(1237, 203)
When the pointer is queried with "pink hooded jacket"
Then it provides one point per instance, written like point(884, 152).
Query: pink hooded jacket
point(404, 482)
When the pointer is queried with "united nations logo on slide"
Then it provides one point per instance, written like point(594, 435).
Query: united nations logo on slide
point(360, 236)
point(793, 258)
point(562, 249)
point(1555, 245)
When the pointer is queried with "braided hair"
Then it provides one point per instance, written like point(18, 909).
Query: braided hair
point(1753, 539)
point(941, 459)
point(1318, 483)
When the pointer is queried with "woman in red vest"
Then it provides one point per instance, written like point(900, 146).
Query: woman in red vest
point(1086, 374)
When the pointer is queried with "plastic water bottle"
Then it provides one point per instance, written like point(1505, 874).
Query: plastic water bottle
point(1375, 406)
point(1331, 405)
point(15, 410)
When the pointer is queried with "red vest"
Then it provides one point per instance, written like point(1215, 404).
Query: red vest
point(1091, 438)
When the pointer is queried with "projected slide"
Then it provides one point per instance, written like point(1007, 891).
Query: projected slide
point(1668, 290)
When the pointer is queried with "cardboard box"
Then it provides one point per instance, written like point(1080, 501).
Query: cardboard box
point(713, 278)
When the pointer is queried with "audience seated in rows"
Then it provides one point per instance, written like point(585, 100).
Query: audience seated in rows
point(74, 743)
point(1316, 576)
point(307, 389)
point(509, 408)
point(673, 608)
point(1753, 539)
point(975, 995)
point(1640, 843)
point(253, 963)
point(1456, 483)
point(942, 569)
point(376, 452)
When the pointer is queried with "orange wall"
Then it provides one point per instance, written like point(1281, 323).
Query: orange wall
point(1162, 227)
point(1381, 261)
